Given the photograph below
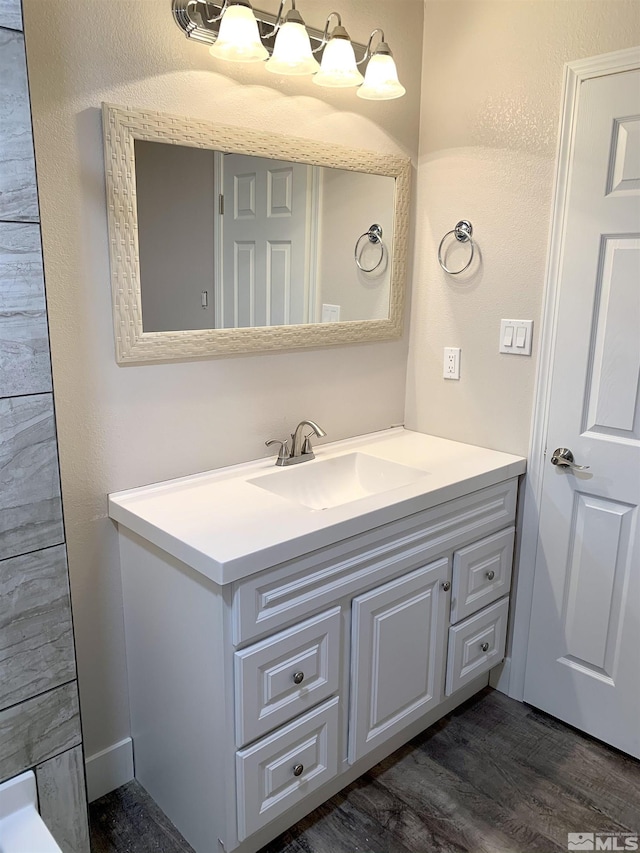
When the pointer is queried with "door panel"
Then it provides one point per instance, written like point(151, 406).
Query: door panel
point(612, 386)
point(585, 625)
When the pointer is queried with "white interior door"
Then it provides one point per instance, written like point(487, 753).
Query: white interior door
point(265, 239)
point(584, 643)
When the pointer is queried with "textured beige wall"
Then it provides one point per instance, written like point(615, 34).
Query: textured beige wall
point(124, 426)
point(491, 93)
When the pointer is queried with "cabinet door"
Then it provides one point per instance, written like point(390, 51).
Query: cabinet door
point(398, 649)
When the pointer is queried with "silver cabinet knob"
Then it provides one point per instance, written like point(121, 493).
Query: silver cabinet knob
point(491, 575)
point(298, 677)
point(446, 586)
point(563, 458)
point(485, 647)
point(298, 769)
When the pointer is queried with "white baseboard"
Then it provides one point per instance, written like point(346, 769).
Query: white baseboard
point(500, 676)
point(110, 768)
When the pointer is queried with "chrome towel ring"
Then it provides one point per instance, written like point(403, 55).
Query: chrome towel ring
point(375, 236)
point(463, 232)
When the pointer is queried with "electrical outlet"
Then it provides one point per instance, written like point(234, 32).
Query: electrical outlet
point(451, 368)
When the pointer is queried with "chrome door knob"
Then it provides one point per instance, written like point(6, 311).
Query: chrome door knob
point(491, 575)
point(446, 586)
point(298, 677)
point(563, 458)
point(298, 769)
point(485, 647)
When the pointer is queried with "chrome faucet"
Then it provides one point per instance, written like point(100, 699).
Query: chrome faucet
point(301, 450)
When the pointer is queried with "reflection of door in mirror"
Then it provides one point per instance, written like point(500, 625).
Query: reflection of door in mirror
point(261, 212)
point(264, 272)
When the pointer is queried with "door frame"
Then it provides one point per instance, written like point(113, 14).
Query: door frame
point(511, 680)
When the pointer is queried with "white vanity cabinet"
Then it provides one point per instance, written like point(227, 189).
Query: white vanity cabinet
point(255, 700)
point(312, 670)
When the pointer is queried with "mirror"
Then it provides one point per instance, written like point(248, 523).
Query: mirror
point(224, 240)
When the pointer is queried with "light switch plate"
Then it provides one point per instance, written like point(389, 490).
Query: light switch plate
point(516, 336)
point(330, 313)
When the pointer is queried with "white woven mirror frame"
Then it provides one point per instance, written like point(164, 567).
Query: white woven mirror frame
point(121, 127)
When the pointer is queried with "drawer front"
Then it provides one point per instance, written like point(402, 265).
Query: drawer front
point(286, 675)
point(476, 645)
point(481, 574)
point(271, 599)
point(280, 770)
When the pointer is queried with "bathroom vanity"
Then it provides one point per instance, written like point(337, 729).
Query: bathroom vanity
point(288, 628)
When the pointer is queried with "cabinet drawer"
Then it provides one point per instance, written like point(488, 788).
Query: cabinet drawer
point(481, 573)
point(280, 770)
point(286, 674)
point(476, 645)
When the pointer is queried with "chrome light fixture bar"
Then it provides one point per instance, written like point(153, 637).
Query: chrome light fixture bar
point(200, 20)
point(237, 32)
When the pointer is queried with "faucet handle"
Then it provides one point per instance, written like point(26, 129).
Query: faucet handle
point(306, 447)
point(283, 453)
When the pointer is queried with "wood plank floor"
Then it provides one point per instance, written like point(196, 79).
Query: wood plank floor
point(494, 776)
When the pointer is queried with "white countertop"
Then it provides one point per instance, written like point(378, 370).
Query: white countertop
point(227, 528)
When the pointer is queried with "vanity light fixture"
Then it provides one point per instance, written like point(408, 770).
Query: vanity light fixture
point(292, 53)
point(239, 37)
point(381, 78)
point(338, 69)
point(238, 33)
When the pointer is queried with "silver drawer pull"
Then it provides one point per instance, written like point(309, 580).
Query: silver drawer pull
point(491, 575)
point(298, 769)
point(485, 647)
point(446, 586)
point(298, 678)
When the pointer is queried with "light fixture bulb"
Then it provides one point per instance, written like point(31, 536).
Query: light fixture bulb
point(239, 38)
point(381, 78)
point(292, 49)
point(338, 69)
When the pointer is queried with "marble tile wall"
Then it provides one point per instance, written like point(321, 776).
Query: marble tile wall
point(18, 195)
point(61, 783)
point(11, 14)
point(25, 366)
point(39, 714)
point(30, 506)
point(36, 652)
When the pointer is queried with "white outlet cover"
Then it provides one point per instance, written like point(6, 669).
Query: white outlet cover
point(451, 363)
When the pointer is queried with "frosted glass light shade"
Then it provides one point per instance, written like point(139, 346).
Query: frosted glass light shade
point(292, 51)
point(238, 38)
point(381, 79)
point(338, 69)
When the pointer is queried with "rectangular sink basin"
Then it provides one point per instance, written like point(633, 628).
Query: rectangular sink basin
point(322, 484)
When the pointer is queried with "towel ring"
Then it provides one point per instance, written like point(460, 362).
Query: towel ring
point(463, 232)
point(375, 236)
